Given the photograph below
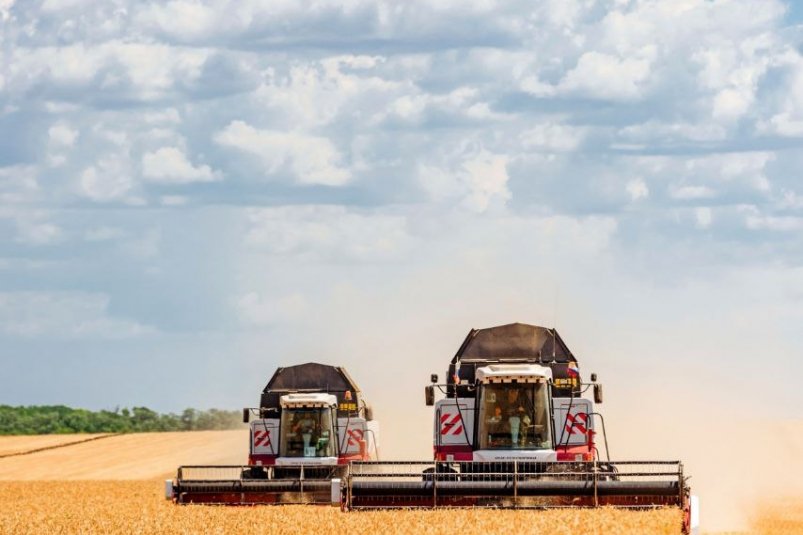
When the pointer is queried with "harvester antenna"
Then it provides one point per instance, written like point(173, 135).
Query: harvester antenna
point(554, 323)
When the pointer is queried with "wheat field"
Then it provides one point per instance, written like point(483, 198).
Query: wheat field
point(127, 507)
point(114, 485)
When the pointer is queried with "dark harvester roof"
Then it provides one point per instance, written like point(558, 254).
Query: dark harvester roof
point(515, 341)
point(311, 376)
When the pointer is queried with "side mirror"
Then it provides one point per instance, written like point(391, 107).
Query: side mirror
point(433, 378)
point(369, 413)
point(429, 395)
point(593, 377)
point(597, 393)
point(246, 415)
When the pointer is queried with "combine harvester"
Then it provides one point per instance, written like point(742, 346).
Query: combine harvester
point(311, 422)
point(517, 428)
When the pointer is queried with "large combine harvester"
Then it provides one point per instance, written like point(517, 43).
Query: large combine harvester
point(517, 427)
point(312, 420)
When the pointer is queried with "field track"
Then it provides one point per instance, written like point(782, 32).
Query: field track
point(22, 444)
point(118, 457)
point(60, 444)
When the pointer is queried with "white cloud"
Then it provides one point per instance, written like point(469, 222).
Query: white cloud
point(553, 136)
point(19, 184)
point(788, 119)
point(791, 200)
point(109, 179)
point(38, 233)
point(181, 18)
point(785, 124)
point(5, 8)
point(692, 192)
point(652, 131)
point(637, 189)
point(33, 226)
point(605, 76)
point(416, 107)
point(63, 314)
point(774, 223)
point(747, 168)
point(134, 70)
point(477, 181)
point(62, 135)
point(704, 216)
point(328, 231)
point(311, 159)
point(732, 103)
point(314, 93)
point(486, 178)
point(169, 165)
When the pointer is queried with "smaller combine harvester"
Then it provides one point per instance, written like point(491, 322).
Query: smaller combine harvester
point(517, 427)
point(311, 422)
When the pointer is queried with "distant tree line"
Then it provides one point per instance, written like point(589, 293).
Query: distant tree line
point(57, 419)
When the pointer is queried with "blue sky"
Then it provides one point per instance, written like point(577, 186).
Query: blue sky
point(192, 193)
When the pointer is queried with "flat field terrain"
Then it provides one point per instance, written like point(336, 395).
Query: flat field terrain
point(123, 507)
point(114, 484)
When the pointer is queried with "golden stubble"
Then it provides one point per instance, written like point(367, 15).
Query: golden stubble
point(137, 507)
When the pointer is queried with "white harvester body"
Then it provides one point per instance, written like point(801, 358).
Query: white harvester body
point(454, 431)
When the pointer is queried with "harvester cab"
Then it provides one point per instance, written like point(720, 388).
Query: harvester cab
point(312, 418)
point(311, 422)
point(514, 393)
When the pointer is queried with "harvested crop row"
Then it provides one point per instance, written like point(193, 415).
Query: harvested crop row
point(133, 456)
point(137, 507)
point(17, 444)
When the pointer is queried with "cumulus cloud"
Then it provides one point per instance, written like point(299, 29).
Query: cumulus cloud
point(170, 165)
point(637, 189)
point(692, 192)
point(486, 178)
point(126, 70)
point(327, 231)
point(704, 216)
point(479, 181)
point(601, 75)
point(757, 221)
point(62, 135)
point(109, 179)
point(63, 314)
point(310, 159)
point(553, 136)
